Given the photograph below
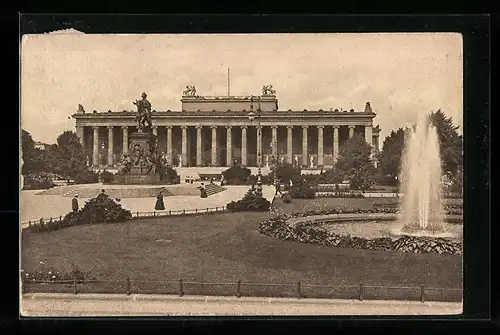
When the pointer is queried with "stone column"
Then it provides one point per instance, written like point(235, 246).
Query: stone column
point(198, 145)
point(304, 145)
point(289, 144)
point(259, 146)
point(335, 143)
point(79, 132)
point(214, 145)
point(95, 148)
point(169, 145)
point(376, 142)
point(320, 146)
point(274, 131)
point(351, 131)
point(110, 146)
point(229, 147)
point(125, 139)
point(244, 145)
point(184, 146)
point(368, 135)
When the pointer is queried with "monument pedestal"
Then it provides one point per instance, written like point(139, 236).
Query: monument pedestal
point(138, 175)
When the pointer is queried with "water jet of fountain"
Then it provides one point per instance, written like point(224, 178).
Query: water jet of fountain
point(422, 203)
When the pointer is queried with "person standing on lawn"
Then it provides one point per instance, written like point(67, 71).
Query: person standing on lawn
point(74, 203)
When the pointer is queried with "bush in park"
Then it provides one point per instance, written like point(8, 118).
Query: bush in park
point(169, 175)
point(38, 181)
point(303, 191)
point(236, 175)
point(106, 177)
point(287, 198)
point(101, 209)
point(87, 177)
point(252, 201)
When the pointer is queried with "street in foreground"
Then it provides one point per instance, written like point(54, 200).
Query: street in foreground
point(43, 305)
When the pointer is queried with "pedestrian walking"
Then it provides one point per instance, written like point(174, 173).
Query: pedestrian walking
point(278, 188)
point(203, 191)
point(74, 203)
point(159, 206)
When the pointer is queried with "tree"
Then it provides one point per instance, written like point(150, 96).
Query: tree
point(390, 157)
point(450, 147)
point(66, 157)
point(33, 160)
point(450, 142)
point(355, 163)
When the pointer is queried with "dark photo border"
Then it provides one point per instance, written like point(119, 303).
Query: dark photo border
point(475, 30)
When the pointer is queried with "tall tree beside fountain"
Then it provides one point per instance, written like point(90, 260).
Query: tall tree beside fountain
point(420, 176)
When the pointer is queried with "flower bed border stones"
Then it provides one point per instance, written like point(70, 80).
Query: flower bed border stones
point(301, 228)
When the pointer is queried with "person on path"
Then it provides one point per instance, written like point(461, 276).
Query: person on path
point(159, 206)
point(74, 203)
point(102, 194)
point(203, 191)
point(278, 188)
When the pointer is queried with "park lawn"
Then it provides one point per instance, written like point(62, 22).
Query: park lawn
point(225, 248)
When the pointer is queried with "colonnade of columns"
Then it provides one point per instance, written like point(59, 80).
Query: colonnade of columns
point(229, 143)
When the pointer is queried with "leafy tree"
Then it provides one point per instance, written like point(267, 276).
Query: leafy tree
point(450, 142)
point(450, 146)
point(66, 157)
point(355, 163)
point(33, 160)
point(390, 156)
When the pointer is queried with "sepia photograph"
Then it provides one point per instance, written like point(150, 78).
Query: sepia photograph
point(241, 174)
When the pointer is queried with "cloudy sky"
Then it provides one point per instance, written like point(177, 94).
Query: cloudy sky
point(400, 74)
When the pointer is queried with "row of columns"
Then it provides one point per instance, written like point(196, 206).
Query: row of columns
point(274, 133)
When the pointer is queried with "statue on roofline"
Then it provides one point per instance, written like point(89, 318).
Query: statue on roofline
point(189, 91)
point(268, 90)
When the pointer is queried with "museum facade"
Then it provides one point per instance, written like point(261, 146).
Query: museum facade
point(218, 130)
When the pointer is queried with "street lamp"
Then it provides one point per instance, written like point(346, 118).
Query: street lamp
point(251, 117)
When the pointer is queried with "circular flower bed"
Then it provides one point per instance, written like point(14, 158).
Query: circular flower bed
point(277, 226)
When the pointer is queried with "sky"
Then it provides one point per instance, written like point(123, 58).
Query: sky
point(401, 75)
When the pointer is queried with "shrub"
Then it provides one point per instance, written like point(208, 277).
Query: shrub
point(287, 198)
point(236, 175)
point(286, 171)
point(86, 177)
point(252, 201)
point(97, 210)
point(169, 175)
point(106, 177)
point(37, 181)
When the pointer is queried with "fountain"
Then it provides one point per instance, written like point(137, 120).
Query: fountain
point(422, 203)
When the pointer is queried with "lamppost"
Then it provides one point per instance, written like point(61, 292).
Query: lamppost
point(251, 116)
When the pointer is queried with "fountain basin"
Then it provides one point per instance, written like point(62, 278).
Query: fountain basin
point(370, 226)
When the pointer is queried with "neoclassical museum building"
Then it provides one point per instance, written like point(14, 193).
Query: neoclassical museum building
point(218, 130)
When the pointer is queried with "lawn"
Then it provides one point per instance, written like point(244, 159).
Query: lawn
point(225, 248)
